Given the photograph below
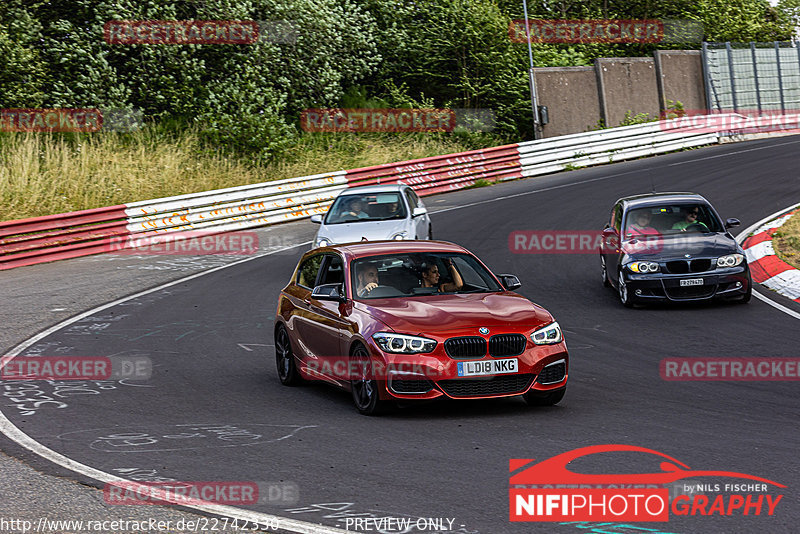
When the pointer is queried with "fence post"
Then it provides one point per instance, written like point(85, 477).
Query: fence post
point(780, 75)
point(730, 71)
point(707, 79)
point(755, 74)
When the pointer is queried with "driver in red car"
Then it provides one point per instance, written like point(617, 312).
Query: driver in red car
point(367, 279)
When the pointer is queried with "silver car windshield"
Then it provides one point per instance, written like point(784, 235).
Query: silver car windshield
point(419, 274)
point(365, 208)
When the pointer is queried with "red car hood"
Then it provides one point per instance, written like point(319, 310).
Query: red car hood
point(500, 312)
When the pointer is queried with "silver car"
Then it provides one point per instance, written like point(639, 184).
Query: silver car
point(374, 213)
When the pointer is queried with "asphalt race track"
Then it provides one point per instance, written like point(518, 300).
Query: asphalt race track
point(214, 410)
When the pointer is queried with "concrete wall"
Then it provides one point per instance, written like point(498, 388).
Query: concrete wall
point(578, 97)
point(681, 74)
point(627, 85)
point(570, 94)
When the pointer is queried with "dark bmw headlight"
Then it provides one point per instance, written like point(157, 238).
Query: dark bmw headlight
point(547, 335)
point(731, 260)
point(643, 267)
point(403, 344)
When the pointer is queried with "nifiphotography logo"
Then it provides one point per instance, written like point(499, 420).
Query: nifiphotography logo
point(549, 491)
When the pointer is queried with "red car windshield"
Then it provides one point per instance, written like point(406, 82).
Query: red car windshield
point(419, 274)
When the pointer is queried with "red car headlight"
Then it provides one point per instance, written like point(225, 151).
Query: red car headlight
point(403, 344)
point(548, 335)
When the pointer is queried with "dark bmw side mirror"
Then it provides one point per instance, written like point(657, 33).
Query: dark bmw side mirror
point(730, 223)
point(328, 292)
point(510, 281)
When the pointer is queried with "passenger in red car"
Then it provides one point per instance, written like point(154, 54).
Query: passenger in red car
point(430, 277)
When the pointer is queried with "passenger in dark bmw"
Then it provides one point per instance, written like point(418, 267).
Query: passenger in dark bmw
point(468, 337)
point(691, 257)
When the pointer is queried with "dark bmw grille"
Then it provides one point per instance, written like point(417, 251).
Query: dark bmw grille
point(552, 374)
point(497, 385)
point(410, 386)
point(465, 347)
point(692, 266)
point(690, 292)
point(506, 345)
point(699, 266)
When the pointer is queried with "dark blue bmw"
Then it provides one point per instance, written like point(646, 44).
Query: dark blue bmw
point(672, 247)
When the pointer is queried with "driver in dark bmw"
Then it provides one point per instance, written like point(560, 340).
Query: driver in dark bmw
point(692, 256)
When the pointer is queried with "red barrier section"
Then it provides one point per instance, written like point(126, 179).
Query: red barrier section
point(62, 220)
point(60, 236)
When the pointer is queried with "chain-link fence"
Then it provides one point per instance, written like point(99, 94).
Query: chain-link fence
point(755, 77)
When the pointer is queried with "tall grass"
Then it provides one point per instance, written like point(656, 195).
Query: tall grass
point(42, 174)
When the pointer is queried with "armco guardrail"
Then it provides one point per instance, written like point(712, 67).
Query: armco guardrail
point(80, 233)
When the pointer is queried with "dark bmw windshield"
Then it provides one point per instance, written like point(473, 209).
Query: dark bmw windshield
point(418, 274)
point(365, 208)
point(671, 219)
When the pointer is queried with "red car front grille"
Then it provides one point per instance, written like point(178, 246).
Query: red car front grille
point(480, 387)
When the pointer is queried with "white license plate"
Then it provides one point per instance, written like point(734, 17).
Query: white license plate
point(488, 367)
point(692, 282)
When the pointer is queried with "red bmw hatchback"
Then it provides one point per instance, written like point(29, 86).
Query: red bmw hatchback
point(406, 320)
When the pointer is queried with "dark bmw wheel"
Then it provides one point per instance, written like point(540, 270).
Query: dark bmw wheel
point(605, 272)
point(284, 358)
point(364, 386)
point(537, 398)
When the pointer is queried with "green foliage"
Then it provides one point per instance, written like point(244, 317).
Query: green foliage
point(640, 118)
point(245, 97)
point(347, 53)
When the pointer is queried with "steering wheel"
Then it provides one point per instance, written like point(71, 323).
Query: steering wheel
point(696, 227)
point(382, 291)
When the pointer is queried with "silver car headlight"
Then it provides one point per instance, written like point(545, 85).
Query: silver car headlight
point(548, 335)
point(644, 267)
point(399, 236)
point(731, 260)
point(323, 242)
point(403, 344)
